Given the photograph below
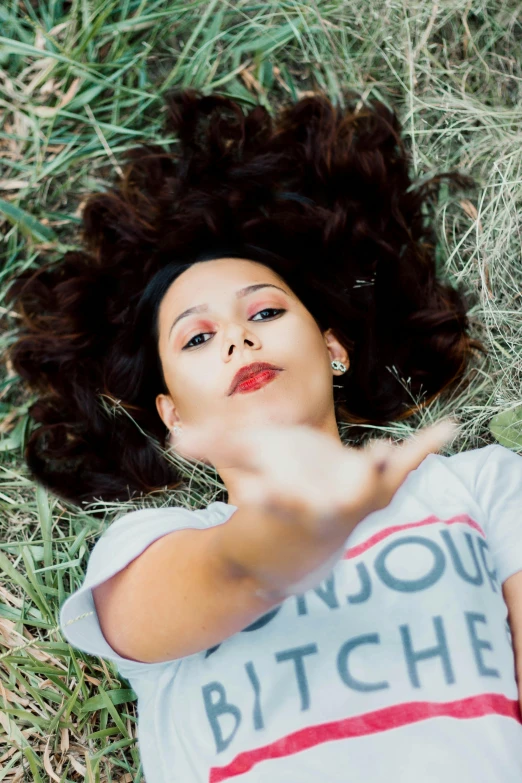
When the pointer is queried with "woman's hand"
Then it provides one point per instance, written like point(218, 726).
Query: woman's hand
point(302, 473)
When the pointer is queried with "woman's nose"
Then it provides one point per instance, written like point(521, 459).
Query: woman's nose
point(236, 338)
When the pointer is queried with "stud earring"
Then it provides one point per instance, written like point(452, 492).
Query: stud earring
point(336, 365)
point(177, 430)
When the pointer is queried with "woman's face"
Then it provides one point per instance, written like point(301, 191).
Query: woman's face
point(247, 314)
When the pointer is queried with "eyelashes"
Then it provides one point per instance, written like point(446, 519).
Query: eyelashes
point(275, 310)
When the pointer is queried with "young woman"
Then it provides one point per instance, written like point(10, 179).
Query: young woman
point(341, 614)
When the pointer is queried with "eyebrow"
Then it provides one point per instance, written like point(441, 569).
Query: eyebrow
point(203, 308)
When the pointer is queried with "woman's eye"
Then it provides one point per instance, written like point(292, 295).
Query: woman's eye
point(268, 309)
point(202, 334)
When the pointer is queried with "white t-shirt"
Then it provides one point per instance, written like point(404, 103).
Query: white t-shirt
point(397, 667)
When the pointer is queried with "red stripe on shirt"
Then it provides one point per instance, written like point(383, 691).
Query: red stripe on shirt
point(354, 551)
point(370, 723)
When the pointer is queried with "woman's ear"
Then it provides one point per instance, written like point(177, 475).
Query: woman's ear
point(336, 349)
point(167, 410)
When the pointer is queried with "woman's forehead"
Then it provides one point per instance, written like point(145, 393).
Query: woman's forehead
point(219, 276)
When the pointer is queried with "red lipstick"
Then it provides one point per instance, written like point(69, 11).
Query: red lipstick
point(256, 381)
point(253, 376)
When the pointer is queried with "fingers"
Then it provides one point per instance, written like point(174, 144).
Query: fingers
point(254, 450)
point(396, 462)
point(430, 439)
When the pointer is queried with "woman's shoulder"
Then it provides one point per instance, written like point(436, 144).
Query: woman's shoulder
point(472, 461)
point(128, 522)
point(475, 472)
point(133, 531)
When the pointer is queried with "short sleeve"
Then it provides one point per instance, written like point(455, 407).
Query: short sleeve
point(498, 490)
point(121, 543)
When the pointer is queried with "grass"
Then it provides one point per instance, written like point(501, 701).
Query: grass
point(80, 83)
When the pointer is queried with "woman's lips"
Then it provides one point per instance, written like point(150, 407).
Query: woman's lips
point(256, 381)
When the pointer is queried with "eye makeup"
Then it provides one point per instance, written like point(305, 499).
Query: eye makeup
point(202, 324)
point(199, 329)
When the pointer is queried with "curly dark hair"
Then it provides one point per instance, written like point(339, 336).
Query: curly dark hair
point(321, 195)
